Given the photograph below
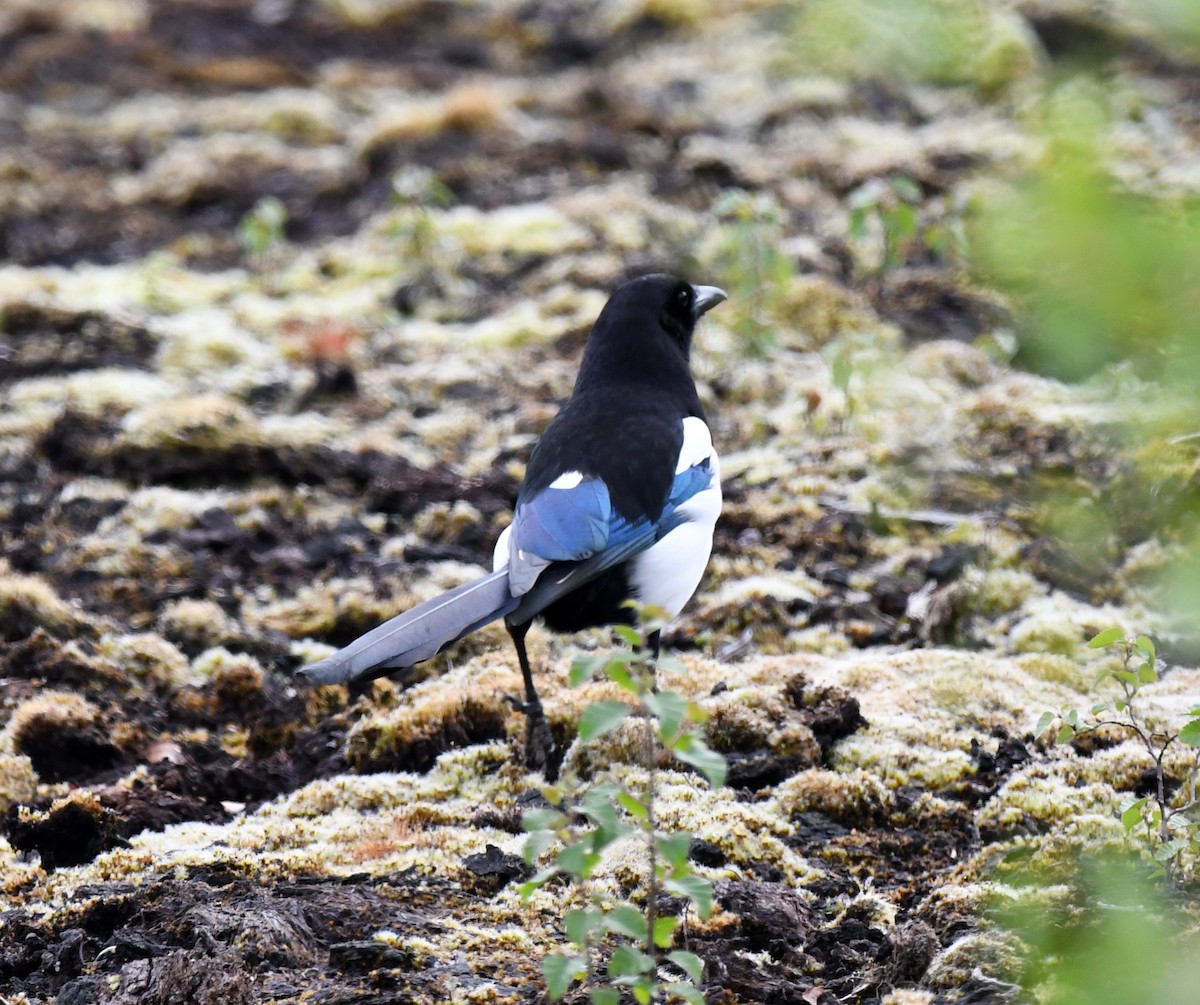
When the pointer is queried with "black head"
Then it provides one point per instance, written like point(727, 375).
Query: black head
point(646, 328)
point(675, 304)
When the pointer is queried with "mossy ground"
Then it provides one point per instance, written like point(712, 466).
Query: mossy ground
point(216, 462)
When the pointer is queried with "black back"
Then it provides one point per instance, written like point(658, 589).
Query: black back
point(623, 422)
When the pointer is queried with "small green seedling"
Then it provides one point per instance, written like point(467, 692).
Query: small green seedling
point(261, 229)
point(613, 948)
point(1169, 827)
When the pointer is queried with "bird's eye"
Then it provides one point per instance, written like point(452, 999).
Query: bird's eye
point(684, 297)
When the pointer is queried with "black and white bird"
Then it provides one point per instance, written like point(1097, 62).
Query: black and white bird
point(619, 501)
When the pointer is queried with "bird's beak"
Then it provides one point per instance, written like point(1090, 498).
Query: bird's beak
point(707, 297)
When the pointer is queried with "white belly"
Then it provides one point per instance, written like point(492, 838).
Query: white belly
point(667, 573)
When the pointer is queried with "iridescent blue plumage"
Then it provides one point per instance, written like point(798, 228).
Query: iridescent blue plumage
point(571, 524)
point(564, 524)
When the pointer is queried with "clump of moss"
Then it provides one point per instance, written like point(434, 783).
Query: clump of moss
point(28, 603)
point(74, 830)
point(43, 658)
point(633, 742)
point(62, 734)
point(18, 780)
point(998, 954)
point(852, 798)
point(736, 726)
point(195, 625)
point(149, 658)
point(758, 719)
point(1039, 797)
point(411, 737)
point(208, 421)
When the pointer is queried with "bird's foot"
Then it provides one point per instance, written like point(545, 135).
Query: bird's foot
point(539, 740)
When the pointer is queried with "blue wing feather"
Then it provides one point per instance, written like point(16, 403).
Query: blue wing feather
point(563, 525)
point(568, 525)
point(625, 539)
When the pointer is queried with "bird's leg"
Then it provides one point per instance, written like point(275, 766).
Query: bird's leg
point(655, 640)
point(539, 741)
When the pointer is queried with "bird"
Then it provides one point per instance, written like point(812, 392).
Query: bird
point(618, 503)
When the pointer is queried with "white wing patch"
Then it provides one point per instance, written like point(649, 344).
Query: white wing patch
point(667, 573)
point(567, 480)
point(500, 554)
point(697, 444)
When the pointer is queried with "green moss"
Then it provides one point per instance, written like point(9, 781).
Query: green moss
point(145, 657)
point(18, 781)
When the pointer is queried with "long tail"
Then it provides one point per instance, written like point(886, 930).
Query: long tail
point(419, 633)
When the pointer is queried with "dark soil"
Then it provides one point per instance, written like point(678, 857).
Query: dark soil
point(232, 935)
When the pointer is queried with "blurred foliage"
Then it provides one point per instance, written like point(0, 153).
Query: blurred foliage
point(751, 264)
point(1102, 274)
point(416, 193)
point(1097, 261)
point(262, 229)
point(890, 227)
point(937, 41)
point(1104, 279)
point(1117, 940)
point(1099, 264)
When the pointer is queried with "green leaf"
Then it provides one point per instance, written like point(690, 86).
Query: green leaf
point(675, 847)
point(903, 219)
point(664, 930)
point(700, 756)
point(669, 709)
point(906, 188)
point(1146, 645)
point(1167, 851)
point(1126, 677)
point(600, 807)
point(1065, 735)
point(577, 859)
point(1131, 815)
point(628, 634)
point(628, 960)
point(1190, 734)
point(545, 819)
point(634, 806)
point(1106, 638)
point(686, 992)
point(1043, 722)
point(605, 996)
point(580, 924)
point(600, 717)
point(627, 920)
point(620, 674)
point(1102, 707)
point(697, 889)
point(1146, 673)
point(560, 973)
point(858, 222)
point(689, 963)
point(642, 993)
point(531, 886)
point(584, 668)
point(842, 371)
point(536, 844)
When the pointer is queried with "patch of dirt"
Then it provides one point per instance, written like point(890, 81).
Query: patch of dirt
point(159, 586)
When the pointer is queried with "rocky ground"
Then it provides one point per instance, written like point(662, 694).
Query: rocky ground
point(236, 433)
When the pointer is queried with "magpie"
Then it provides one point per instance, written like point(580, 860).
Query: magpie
point(619, 500)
